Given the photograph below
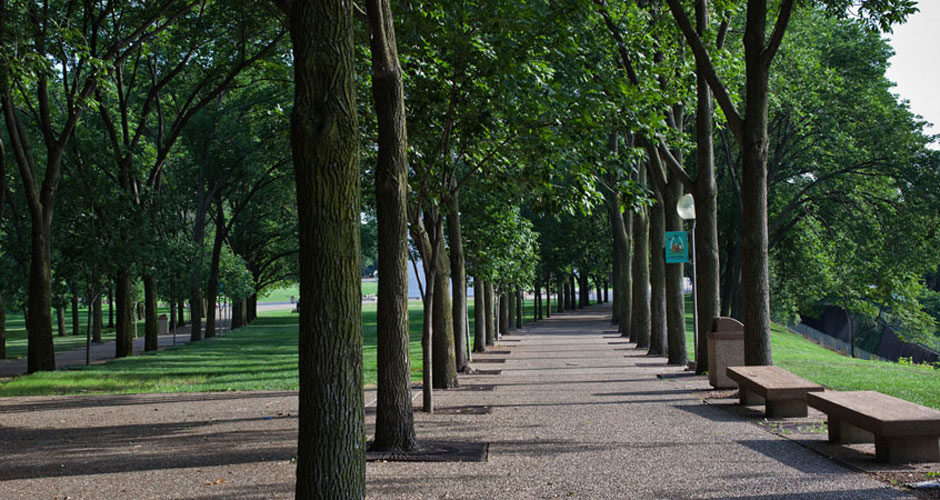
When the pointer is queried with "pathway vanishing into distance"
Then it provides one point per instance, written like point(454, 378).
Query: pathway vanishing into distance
point(575, 413)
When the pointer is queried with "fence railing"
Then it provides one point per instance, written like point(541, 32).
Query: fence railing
point(830, 342)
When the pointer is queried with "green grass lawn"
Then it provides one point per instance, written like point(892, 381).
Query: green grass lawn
point(263, 356)
point(369, 287)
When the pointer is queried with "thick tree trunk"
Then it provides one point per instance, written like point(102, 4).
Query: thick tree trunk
point(445, 359)
point(324, 142)
point(606, 287)
point(503, 320)
point(657, 278)
point(40, 351)
point(479, 316)
point(151, 327)
point(394, 427)
point(60, 319)
point(640, 317)
point(584, 290)
point(459, 283)
point(76, 323)
point(96, 324)
point(675, 298)
point(489, 313)
point(124, 328)
point(195, 314)
point(238, 308)
point(511, 310)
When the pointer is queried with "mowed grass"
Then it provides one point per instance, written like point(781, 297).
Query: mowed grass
point(369, 287)
point(263, 356)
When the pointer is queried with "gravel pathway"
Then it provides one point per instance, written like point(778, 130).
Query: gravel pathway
point(576, 413)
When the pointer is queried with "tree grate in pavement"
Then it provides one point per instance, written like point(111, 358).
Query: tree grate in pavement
point(487, 372)
point(474, 387)
point(435, 451)
point(496, 360)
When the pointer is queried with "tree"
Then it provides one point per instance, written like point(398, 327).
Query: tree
point(324, 142)
point(750, 132)
point(394, 427)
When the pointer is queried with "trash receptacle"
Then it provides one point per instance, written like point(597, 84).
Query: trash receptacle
point(725, 348)
point(164, 325)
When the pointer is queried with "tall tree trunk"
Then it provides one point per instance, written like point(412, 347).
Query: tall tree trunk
point(151, 326)
point(213, 286)
point(657, 230)
point(706, 205)
point(60, 318)
point(490, 313)
point(627, 308)
point(584, 290)
point(520, 308)
point(445, 358)
point(458, 281)
point(110, 306)
point(511, 310)
point(597, 287)
point(503, 320)
point(537, 314)
point(675, 298)
point(195, 314)
point(606, 287)
point(479, 316)
point(548, 295)
point(394, 425)
point(181, 313)
point(124, 328)
point(238, 307)
point(640, 317)
point(324, 142)
point(172, 316)
point(40, 350)
point(76, 323)
point(96, 324)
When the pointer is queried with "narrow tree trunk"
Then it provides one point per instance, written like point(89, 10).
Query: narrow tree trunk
point(124, 328)
point(548, 295)
point(76, 323)
point(445, 359)
point(110, 306)
point(324, 142)
point(195, 314)
point(151, 326)
point(181, 313)
point(238, 308)
point(520, 308)
point(606, 287)
point(60, 318)
point(458, 282)
point(597, 286)
point(584, 290)
point(657, 278)
point(503, 314)
point(537, 313)
point(96, 324)
point(394, 427)
point(627, 309)
point(479, 316)
point(489, 313)
point(675, 298)
point(640, 313)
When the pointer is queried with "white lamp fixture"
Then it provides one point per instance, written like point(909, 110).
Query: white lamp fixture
point(686, 209)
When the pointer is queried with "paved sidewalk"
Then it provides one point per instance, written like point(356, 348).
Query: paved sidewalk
point(576, 413)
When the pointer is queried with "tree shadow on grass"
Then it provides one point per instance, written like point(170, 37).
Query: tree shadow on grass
point(79, 402)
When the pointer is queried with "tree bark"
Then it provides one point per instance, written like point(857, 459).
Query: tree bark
point(675, 298)
point(3, 327)
point(151, 326)
point(445, 359)
point(458, 281)
point(96, 324)
point(40, 351)
point(124, 328)
point(181, 313)
point(503, 314)
point(479, 316)
point(489, 313)
point(640, 312)
point(76, 323)
point(657, 230)
point(324, 143)
point(548, 295)
point(537, 313)
point(584, 290)
point(520, 308)
point(606, 295)
point(213, 285)
point(60, 319)
point(510, 310)
point(394, 426)
point(172, 316)
point(110, 306)
point(195, 314)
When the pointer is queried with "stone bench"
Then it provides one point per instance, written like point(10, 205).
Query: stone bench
point(903, 432)
point(782, 393)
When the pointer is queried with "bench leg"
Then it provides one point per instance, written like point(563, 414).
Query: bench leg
point(749, 398)
point(786, 408)
point(907, 449)
point(844, 433)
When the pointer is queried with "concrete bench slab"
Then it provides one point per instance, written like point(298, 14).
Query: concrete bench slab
point(903, 432)
point(782, 393)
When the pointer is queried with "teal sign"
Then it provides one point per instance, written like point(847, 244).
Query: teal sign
point(677, 247)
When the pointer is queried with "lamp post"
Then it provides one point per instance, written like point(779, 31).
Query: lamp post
point(686, 209)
